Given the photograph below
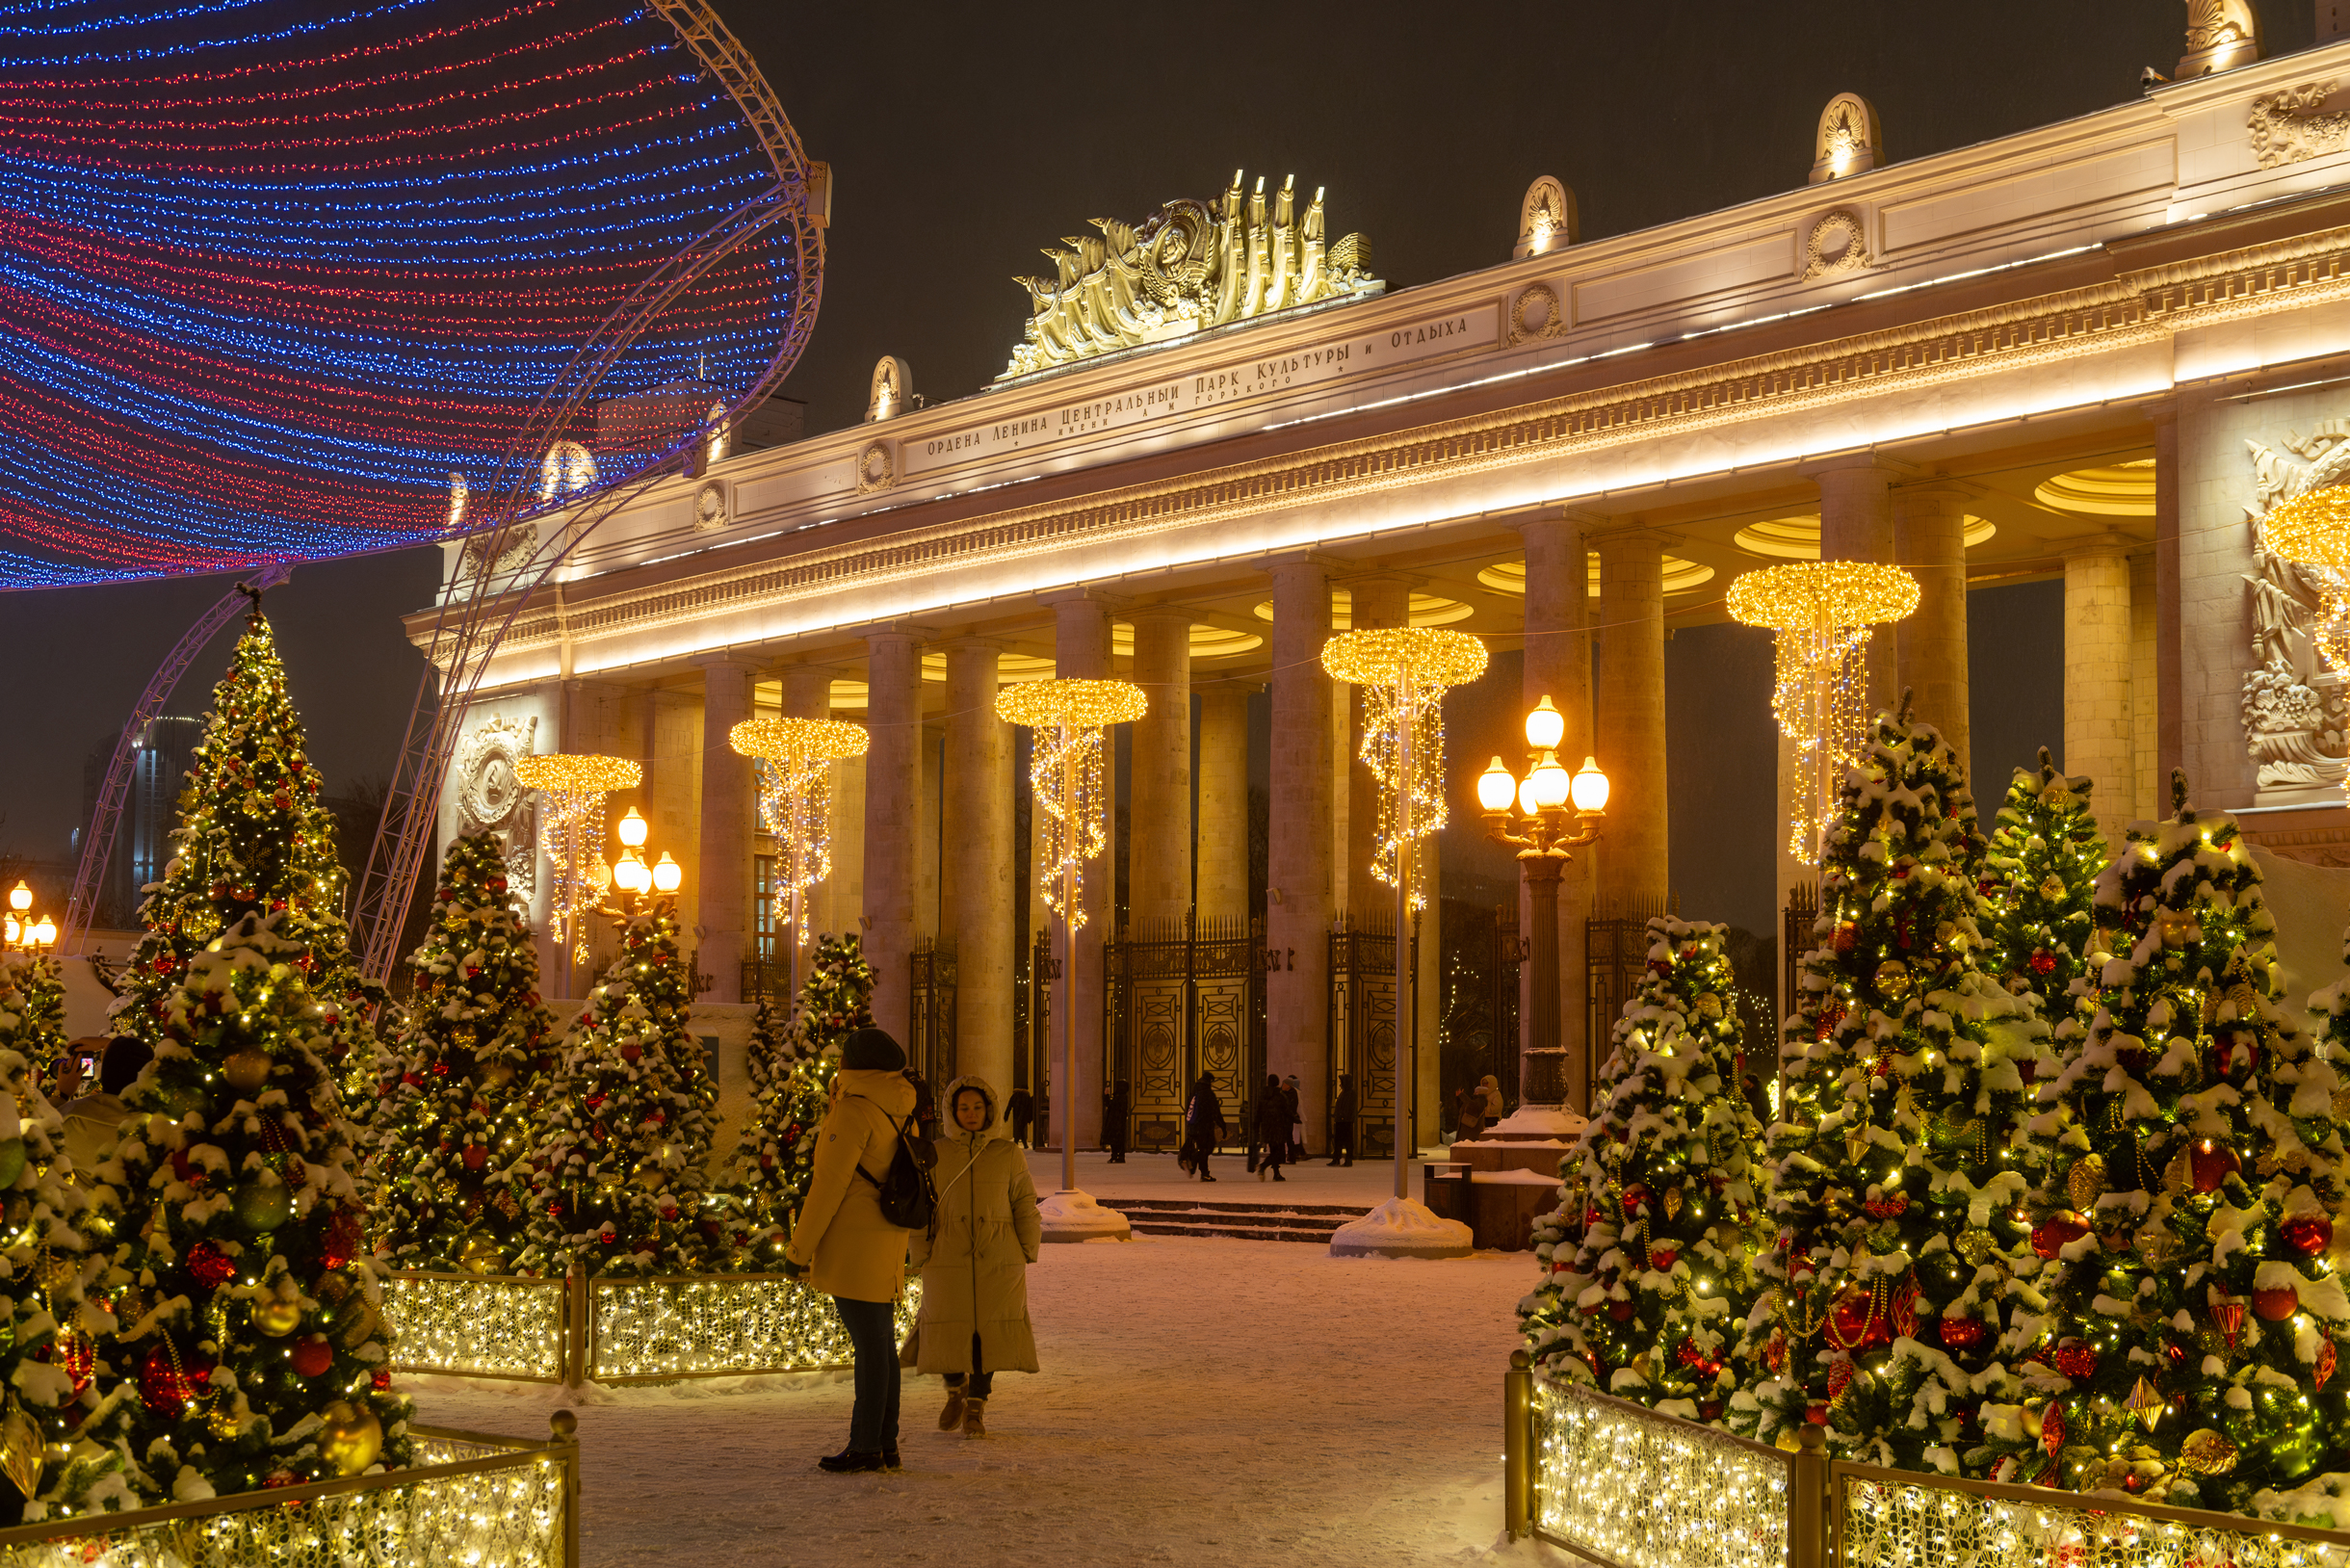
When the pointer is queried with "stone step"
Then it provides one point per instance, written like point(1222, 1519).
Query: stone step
point(1128, 1206)
point(1235, 1221)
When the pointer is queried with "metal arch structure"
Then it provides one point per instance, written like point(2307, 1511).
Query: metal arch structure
point(98, 849)
point(465, 636)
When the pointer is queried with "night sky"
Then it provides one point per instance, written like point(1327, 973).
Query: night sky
point(963, 137)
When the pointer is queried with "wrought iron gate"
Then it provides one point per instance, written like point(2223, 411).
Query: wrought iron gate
point(1033, 1029)
point(1476, 1020)
point(1362, 1027)
point(931, 1051)
point(1182, 998)
point(1616, 955)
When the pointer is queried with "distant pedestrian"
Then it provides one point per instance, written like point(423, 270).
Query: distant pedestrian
point(1759, 1098)
point(92, 1122)
point(1273, 1127)
point(1495, 1106)
point(1021, 1108)
point(1203, 1123)
point(974, 1271)
point(1468, 1113)
point(845, 1248)
point(1298, 1142)
point(1117, 1121)
point(1342, 1122)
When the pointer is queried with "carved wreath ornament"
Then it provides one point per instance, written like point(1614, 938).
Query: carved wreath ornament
point(490, 798)
point(1839, 245)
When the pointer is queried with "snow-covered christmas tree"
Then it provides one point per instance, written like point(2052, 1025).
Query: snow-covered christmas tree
point(2194, 1161)
point(617, 1178)
point(251, 1352)
point(1650, 1259)
point(32, 1009)
point(2039, 882)
point(48, 1337)
point(791, 1073)
point(1889, 1281)
point(476, 1042)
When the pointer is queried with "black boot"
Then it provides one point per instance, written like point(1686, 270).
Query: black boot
point(849, 1461)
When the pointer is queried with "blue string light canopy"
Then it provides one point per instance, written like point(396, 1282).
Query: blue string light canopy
point(287, 281)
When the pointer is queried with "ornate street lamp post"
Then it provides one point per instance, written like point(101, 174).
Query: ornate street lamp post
point(1555, 815)
point(21, 932)
point(1067, 759)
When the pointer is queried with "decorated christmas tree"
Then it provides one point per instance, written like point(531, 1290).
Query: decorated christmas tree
point(478, 1041)
point(2039, 882)
point(1648, 1288)
point(790, 1075)
point(1891, 1278)
point(2194, 1156)
point(616, 1178)
point(250, 1350)
point(33, 1010)
point(253, 839)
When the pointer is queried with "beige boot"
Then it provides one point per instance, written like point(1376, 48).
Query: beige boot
point(975, 1417)
point(951, 1416)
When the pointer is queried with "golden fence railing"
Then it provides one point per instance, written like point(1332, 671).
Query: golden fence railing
point(472, 1499)
point(1623, 1486)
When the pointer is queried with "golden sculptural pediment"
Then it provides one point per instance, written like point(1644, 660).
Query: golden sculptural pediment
point(1190, 266)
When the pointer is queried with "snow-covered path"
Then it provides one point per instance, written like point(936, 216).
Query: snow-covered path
point(1204, 1402)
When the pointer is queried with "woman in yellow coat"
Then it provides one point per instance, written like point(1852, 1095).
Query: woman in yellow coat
point(975, 1321)
point(844, 1247)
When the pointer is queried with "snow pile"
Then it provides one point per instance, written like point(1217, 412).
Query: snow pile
point(1401, 1228)
point(1074, 1216)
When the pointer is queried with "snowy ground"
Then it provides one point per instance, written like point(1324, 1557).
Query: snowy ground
point(1203, 1402)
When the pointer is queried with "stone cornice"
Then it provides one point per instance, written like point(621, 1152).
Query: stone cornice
point(2137, 307)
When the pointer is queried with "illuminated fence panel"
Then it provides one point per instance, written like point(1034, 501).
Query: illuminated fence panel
point(1648, 1492)
point(1895, 1523)
point(477, 1325)
point(508, 1508)
point(717, 1325)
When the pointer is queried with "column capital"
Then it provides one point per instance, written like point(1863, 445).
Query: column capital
point(1622, 531)
point(1230, 685)
point(1296, 559)
point(1054, 598)
point(2109, 544)
point(1159, 614)
point(971, 641)
point(882, 632)
point(2161, 410)
point(1936, 489)
point(1859, 459)
point(1568, 517)
point(730, 658)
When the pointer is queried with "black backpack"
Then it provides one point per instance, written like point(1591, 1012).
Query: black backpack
point(908, 1199)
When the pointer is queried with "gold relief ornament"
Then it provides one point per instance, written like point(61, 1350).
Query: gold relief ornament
point(1975, 1243)
point(20, 1448)
point(2207, 1454)
point(1191, 266)
point(2086, 1183)
point(2145, 1402)
point(2051, 886)
point(1893, 979)
point(1673, 1201)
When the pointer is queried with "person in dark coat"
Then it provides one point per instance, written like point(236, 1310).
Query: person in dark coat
point(1341, 1123)
point(1298, 1143)
point(1020, 1110)
point(1273, 1127)
point(1203, 1124)
point(1116, 1122)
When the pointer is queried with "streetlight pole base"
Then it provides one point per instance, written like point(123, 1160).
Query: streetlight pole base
point(1401, 1228)
point(1535, 1124)
point(1071, 1216)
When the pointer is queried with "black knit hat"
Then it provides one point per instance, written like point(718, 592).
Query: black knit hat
point(871, 1050)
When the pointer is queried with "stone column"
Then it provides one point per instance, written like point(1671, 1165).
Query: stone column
point(893, 796)
point(728, 812)
point(1856, 523)
point(978, 868)
point(2099, 735)
point(1081, 650)
point(1634, 867)
point(1380, 603)
point(1558, 666)
point(2169, 688)
point(1159, 771)
point(1297, 874)
point(1223, 803)
point(1930, 544)
point(2145, 799)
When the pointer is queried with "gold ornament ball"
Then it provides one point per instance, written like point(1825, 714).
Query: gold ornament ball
point(247, 1070)
point(2207, 1452)
point(355, 1323)
point(1893, 979)
point(349, 1438)
point(278, 1316)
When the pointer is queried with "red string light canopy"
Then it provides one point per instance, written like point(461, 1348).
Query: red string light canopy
point(287, 281)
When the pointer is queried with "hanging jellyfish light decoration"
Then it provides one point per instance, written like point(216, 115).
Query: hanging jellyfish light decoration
point(1821, 612)
point(1069, 720)
point(796, 801)
point(571, 835)
point(2312, 530)
point(1405, 673)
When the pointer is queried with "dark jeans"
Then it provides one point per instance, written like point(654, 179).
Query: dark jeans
point(872, 1425)
point(982, 1383)
point(1342, 1143)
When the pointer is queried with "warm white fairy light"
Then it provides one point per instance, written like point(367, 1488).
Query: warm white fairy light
point(1067, 720)
point(1650, 1492)
point(1822, 610)
point(1405, 673)
point(572, 834)
point(795, 799)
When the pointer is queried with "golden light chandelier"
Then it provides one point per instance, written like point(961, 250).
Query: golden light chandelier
point(572, 834)
point(1066, 720)
point(1822, 610)
point(1403, 673)
point(2313, 530)
point(795, 799)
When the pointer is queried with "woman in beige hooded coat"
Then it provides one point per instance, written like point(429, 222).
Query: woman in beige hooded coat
point(975, 1321)
point(843, 1247)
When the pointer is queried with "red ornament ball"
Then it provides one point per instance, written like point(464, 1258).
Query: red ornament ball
point(2275, 1306)
point(2209, 1163)
point(1847, 937)
point(1620, 1311)
point(2308, 1233)
point(382, 1377)
point(1964, 1333)
point(211, 1267)
point(311, 1357)
point(2074, 1360)
point(1890, 1206)
point(475, 1156)
point(165, 1386)
point(631, 1051)
point(1817, 1414)
point(1858, 1326)
point(1661, 1258)
point(2042, 962)
point(2057, 1232)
